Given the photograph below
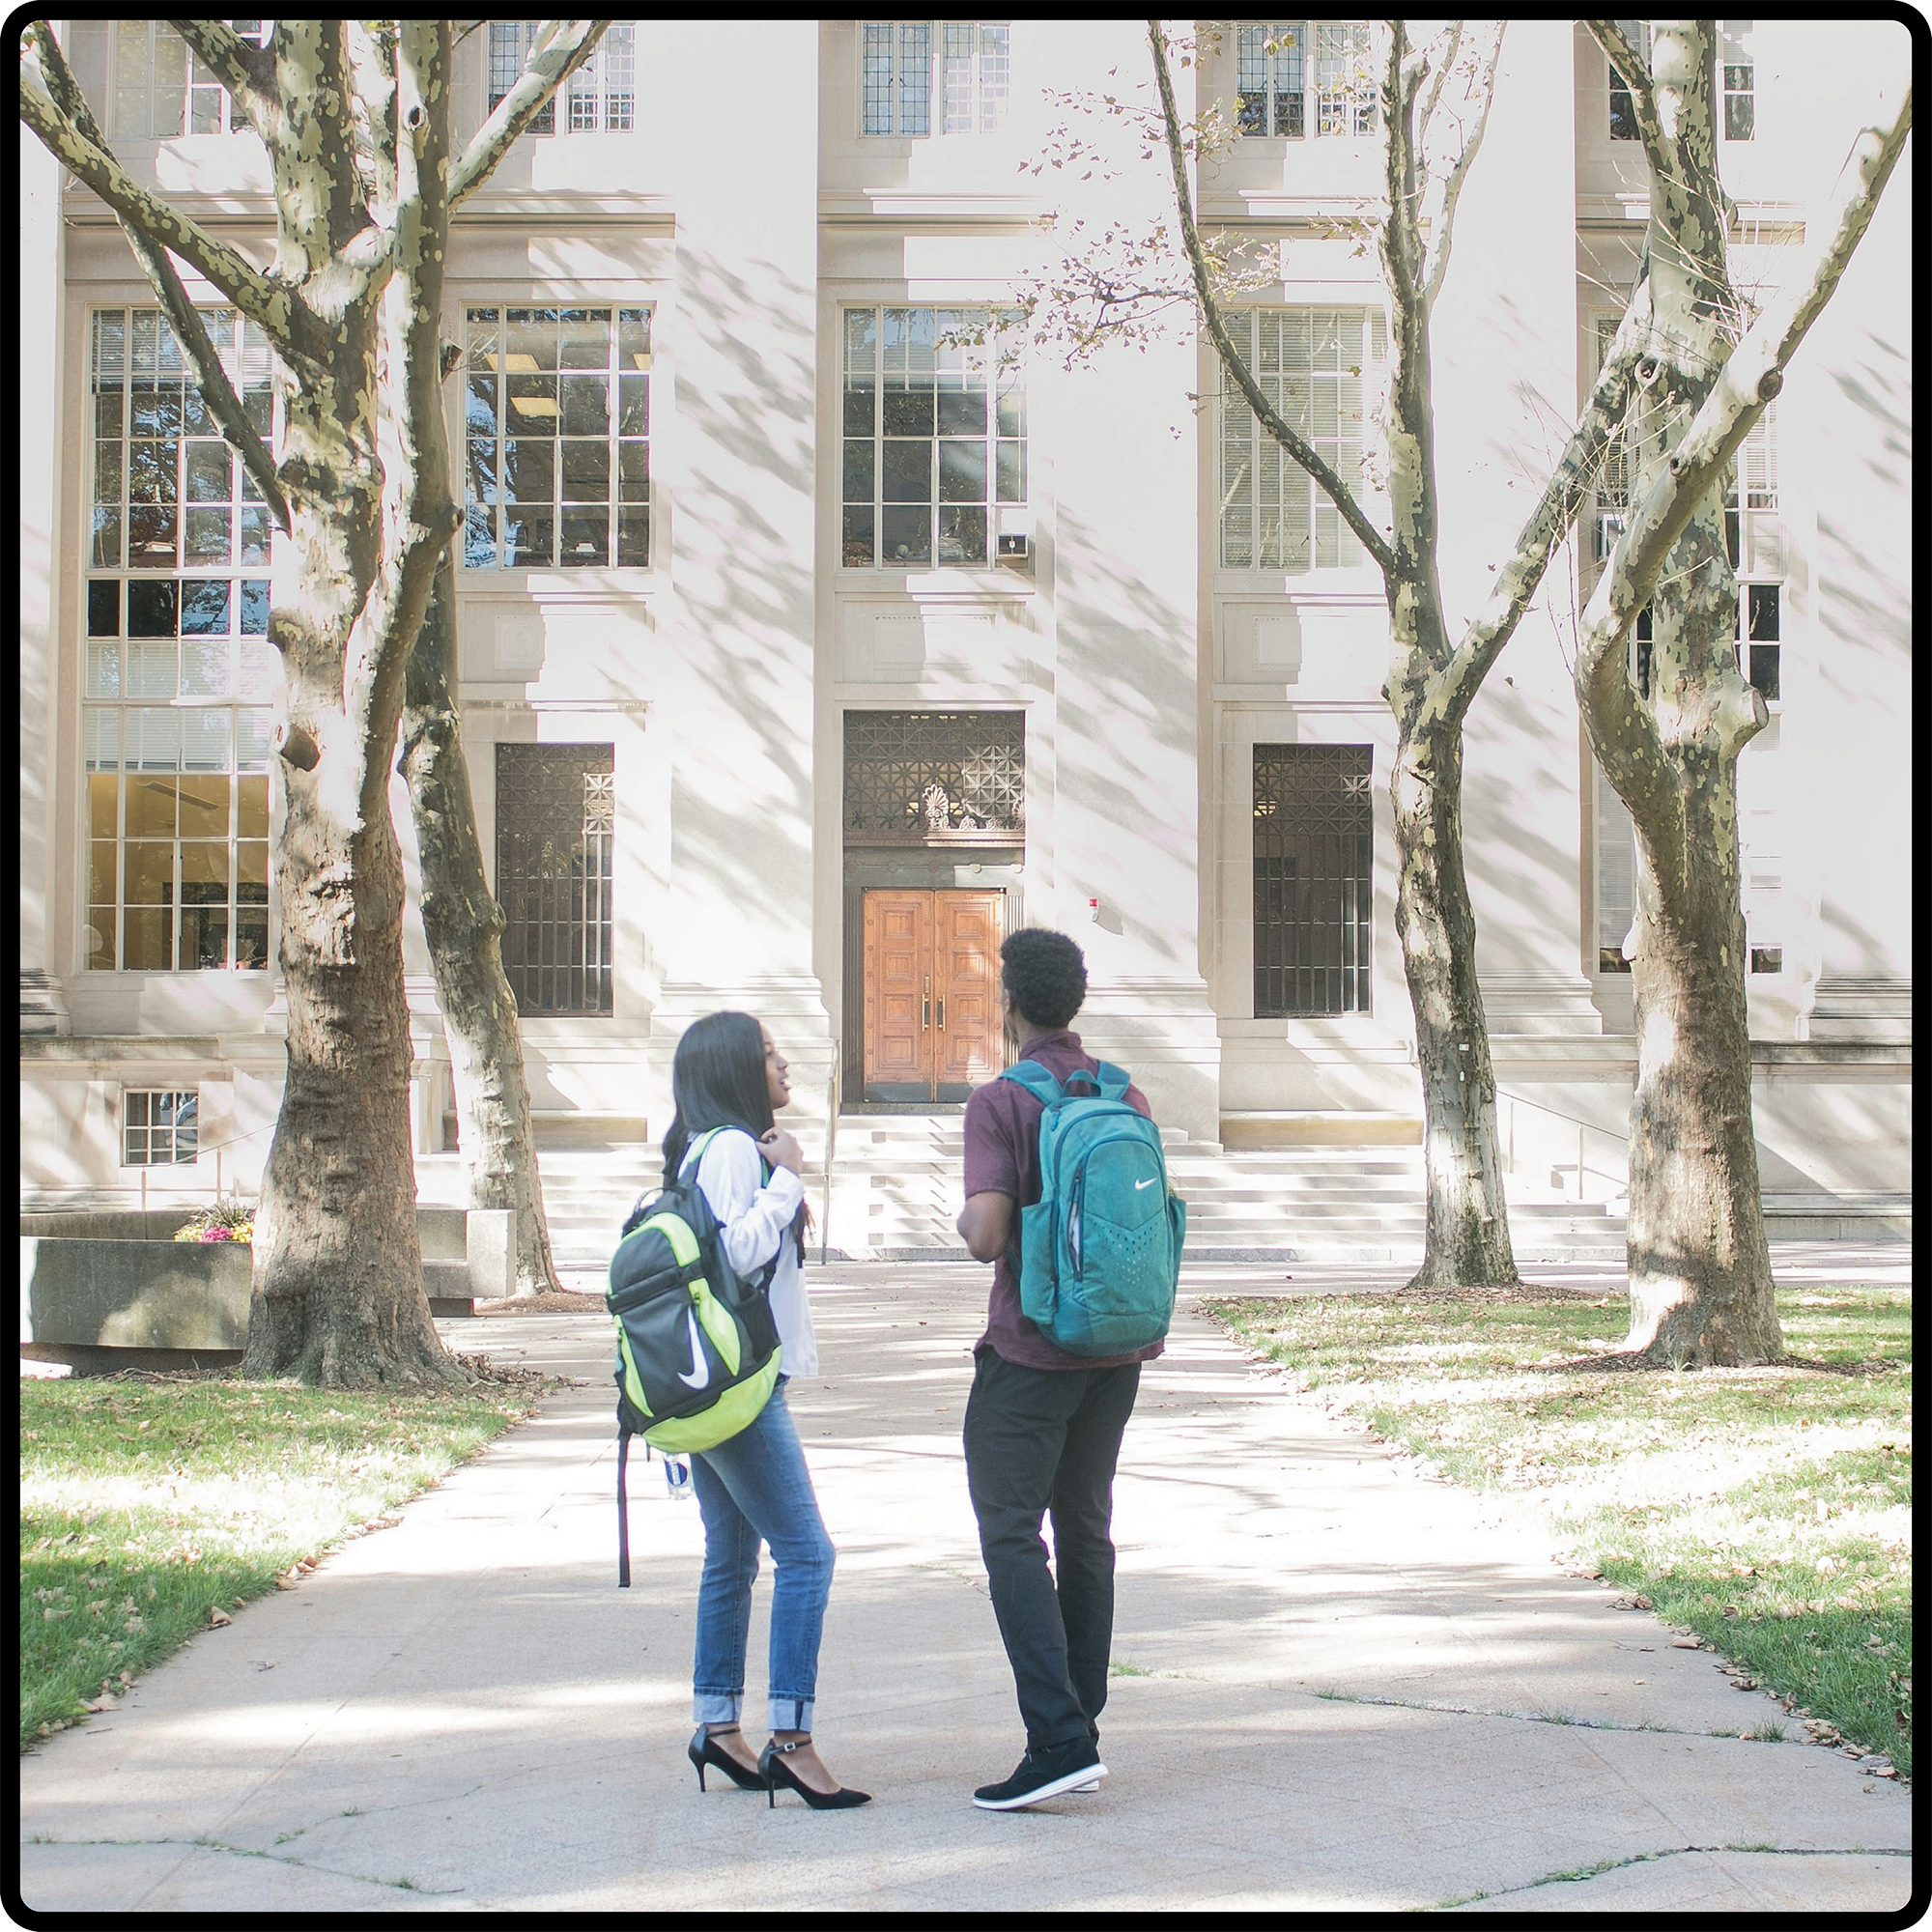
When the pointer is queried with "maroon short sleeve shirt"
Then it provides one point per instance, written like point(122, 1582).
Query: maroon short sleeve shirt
point(1003, 1157)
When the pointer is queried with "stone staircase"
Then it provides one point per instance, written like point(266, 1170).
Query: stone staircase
point(896, 1191)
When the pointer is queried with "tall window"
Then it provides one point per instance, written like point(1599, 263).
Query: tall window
point(897, 75)
point(1318, 367)
point(1612, 492)
point(1623, 110)
point(1615, 845)
point(1314, 857)
point(1762, 887)
point(1755, 539)
point(1280, 63)
point(602, 94)
point(935, 454)
point(557, 412)
point(556, 821)
point(1739, 74)
point(178, 671)
point(162, 90)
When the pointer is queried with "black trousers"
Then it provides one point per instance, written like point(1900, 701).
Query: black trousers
point(1040, 1440)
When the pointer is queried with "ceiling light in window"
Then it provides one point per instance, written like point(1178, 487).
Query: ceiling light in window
point(534, 406)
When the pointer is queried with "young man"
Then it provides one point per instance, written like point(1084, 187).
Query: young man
point(1042, 1427)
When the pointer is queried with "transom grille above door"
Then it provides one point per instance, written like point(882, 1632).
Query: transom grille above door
point(557, 820)
point(936, 778)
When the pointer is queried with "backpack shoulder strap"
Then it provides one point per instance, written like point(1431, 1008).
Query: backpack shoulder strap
point(694, 1152)
point(1037, 1080)
point(1114, 1081)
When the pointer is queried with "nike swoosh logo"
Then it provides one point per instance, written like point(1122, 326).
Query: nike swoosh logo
point(699, 1375)
point(1138, 1184)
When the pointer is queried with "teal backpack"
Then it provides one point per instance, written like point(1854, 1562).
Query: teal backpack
point(1099, 1251)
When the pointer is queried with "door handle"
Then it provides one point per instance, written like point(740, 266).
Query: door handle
point(925, 1007)
point(941, 1012)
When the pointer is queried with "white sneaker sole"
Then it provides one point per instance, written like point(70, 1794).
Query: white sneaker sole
point(1087, 1778)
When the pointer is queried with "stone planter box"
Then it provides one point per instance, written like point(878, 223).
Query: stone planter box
point(117, 1290)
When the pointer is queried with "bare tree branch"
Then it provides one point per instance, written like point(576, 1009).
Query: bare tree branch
point(558, 51)
point(1232, 359)
point(1628, 65)
point(418, 509)
point(211, 377)
point(1453, 43)
point(1452, 188)
point(1401, 234)
point(243, 68)
point(276, 308)
point(1573, 477)
point(1752, 376)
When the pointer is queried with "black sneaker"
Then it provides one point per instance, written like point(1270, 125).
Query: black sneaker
point(1043, 1774)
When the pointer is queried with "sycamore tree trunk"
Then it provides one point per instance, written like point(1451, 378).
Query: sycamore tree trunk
point(1668, 732)
point(463, 926)
point(1468, 1242)
point(1466, 1239)
point(1700, 1280)
point(338, 1291)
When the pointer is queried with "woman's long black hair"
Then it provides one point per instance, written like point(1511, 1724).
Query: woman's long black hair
point(718, 1080)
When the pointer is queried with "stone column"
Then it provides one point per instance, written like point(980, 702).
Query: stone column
point(1505, 387)
point(1122, 566)
point(737, 459)
point(43, 275)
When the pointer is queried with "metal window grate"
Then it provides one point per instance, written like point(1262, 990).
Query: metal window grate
point(926, 778)
point(1314, 856)
point(159, 1126)
point(556, 829)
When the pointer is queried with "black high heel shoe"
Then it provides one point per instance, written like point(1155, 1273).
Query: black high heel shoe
point(703, 1751)
point(775, 1772)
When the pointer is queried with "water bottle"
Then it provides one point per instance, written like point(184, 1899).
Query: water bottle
point(677, 1477)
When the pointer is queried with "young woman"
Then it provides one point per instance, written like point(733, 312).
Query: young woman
point(729, 1075)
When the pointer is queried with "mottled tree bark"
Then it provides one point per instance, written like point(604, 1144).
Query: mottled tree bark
point(1700, 1280)
point(1469, 1239)
point(463, 926)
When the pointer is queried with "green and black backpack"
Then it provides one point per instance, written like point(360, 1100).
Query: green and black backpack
point(698, 1349)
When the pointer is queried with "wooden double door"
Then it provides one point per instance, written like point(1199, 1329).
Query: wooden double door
point(931, 993)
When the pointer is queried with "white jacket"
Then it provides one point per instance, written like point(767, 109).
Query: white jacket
point(754, 1217)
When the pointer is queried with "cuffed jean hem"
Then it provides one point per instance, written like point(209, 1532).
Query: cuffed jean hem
point(717, 1707)
point(791, 1713)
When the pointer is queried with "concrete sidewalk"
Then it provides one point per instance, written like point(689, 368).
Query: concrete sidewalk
point(464, 1712)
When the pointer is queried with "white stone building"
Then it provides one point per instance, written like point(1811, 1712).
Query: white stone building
point(803, 653)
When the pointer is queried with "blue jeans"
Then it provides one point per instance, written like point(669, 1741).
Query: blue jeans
point(755, 1487)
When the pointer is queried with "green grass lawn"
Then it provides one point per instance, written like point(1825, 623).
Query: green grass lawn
point(150, 1505)
point(1768, 1509)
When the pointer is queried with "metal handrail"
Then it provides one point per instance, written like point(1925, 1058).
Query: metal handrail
point(1584, 1128)
point(832, 1103)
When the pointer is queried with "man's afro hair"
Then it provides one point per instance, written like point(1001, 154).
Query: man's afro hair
point(1046, 974)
